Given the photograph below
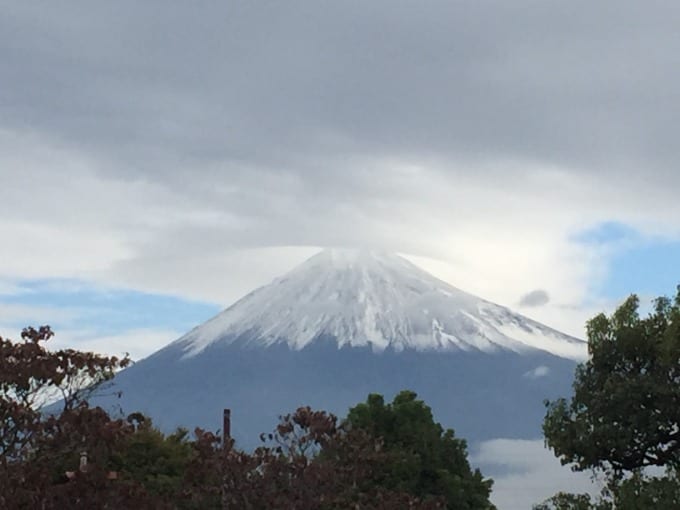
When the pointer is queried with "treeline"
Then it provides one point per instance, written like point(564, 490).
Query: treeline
point(382, 456)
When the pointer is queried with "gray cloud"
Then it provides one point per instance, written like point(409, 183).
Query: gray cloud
point(184, 137)
point(289, 86)
point(538, 297)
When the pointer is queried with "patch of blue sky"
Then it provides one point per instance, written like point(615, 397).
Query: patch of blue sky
point(648, 266)
point(107, 311)
point(607, 233)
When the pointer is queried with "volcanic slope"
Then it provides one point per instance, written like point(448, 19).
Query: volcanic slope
point(346, 323)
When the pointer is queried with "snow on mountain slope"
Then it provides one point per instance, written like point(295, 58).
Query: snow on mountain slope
point(368, 298)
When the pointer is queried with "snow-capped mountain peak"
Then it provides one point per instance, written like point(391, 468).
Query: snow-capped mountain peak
point(376, 299)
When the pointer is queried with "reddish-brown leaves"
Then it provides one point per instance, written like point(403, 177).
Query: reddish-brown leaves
point(309, 462)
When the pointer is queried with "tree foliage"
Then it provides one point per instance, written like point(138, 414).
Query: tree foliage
point(635, 492)
point(566, 501)
point(624, 415)
point(33, 447)
point(425, 460)
point(152, 459)
point(30, 375)
point(310, 461)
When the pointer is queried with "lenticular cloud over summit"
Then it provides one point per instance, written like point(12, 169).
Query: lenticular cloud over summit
point(379, 300)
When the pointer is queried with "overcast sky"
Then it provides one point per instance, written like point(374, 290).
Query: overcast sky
point(158, 161)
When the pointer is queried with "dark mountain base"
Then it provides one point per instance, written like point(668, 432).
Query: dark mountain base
point(481, 396)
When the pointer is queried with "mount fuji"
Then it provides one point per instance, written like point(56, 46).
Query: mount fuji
point(347, 323)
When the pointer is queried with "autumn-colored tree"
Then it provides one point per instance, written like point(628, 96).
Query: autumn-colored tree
point(309, 462)
point(313, 461)
point(35, 448)
point(30, 375)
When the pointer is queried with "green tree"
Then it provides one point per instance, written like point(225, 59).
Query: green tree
point(156, 461)
point(624, 415)
point(635, 492)
point(425, 460)
point(566, 501)
point(639, 492)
